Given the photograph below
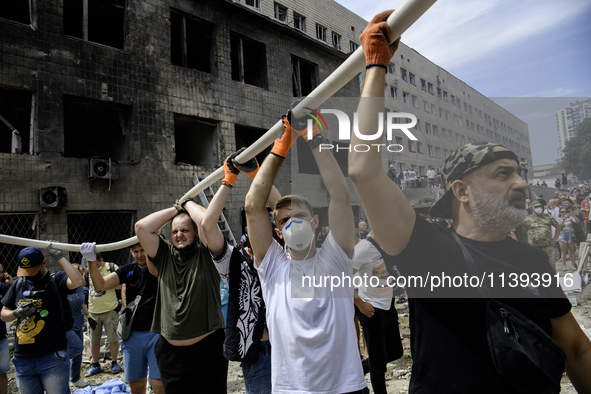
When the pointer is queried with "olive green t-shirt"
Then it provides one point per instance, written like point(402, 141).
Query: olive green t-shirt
point(188, 301)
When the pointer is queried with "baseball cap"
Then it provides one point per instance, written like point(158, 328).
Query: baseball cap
point(466, 158)
point(29, 261)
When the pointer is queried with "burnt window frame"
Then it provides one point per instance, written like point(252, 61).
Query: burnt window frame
point(91, 24)
point(189, 34)
point(239, 44)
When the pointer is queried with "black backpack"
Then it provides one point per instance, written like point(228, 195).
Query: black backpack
point(65, 309)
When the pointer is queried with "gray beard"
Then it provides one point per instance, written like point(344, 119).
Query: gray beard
point(491, 211)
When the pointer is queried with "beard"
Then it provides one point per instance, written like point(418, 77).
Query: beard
point(492, 211)
point(189, 247)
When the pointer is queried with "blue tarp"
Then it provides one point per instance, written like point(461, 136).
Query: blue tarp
point(113, 386)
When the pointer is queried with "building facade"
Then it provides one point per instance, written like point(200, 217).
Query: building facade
point(119, 104)
point(568, 119)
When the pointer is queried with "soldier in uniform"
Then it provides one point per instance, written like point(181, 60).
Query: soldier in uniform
point(539, 225)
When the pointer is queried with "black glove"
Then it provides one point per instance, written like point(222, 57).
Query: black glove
point(250, 166)
point(25, 309)
point(57, 254)
point(91, 322)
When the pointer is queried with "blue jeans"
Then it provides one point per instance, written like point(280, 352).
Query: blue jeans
point(75, 349)
point(257, 376)
point(4, 356)
point(49, 372)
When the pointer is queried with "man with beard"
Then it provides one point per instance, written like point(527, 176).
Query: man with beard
point(138, 348)
point(187, 314)
point(485, 197)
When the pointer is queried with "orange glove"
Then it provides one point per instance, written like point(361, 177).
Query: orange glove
point(285, 138)
point(250, 168)
point(375, 40)
point(231, 172)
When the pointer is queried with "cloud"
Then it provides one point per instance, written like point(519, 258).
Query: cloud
point(456, 33)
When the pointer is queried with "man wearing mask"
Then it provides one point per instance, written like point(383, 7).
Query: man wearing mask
point(38, 301)
point(316, 350)
point(539, 226)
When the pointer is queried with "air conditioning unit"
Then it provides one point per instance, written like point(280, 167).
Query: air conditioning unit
point(53, 197)
point(103, 168)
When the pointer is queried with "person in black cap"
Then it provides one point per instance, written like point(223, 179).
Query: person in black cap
point(452, 348)
point(38, 301)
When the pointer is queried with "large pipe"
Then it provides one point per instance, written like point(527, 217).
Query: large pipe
point(400, 20)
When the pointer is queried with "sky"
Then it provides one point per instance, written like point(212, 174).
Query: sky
point(532, 57)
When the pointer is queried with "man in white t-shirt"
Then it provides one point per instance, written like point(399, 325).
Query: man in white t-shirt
point(311, 330)
point(431, 176)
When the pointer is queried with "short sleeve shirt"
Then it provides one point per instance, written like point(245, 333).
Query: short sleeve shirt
point(42, 332)
point(313, 338)
point(139, 282)
point(188, 303)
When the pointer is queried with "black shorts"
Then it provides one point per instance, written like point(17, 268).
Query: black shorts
point(198, 368)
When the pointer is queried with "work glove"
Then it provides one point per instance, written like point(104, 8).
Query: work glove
point(87, 251)
point(179, 205)
point(230, 171)
point(56, 253)
point(286, 137)
point(25, 309)
point(91, 322)
point(250, 168)
point(375, 40)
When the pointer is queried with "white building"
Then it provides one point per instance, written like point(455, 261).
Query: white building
point(568, 119)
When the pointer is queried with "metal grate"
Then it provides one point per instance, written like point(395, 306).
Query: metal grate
point(101, 227)
point(24, 225)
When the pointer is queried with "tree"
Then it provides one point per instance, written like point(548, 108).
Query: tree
point(577, 152)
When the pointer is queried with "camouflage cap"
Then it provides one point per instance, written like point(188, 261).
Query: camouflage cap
point(465, 159)
point(536, 204)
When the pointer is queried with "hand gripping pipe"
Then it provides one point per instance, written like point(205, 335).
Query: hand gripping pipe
point(400, 20)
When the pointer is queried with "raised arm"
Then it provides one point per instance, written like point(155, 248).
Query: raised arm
point(259, 225)
point(391, 216)
point(99, 282)
point(340, 214)
point(197, 213)
point(147, 228)
point(75, 279)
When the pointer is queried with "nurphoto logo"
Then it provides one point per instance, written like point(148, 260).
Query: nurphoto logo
point(392, 123)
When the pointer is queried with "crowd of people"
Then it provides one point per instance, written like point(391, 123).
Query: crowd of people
point(293, 338)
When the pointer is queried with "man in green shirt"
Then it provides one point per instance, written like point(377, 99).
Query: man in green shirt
point(188, 313)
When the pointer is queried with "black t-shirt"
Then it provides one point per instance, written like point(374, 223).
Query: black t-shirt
point(43, 332)
point(139, 281)
point(448, 335)
point(3, 290)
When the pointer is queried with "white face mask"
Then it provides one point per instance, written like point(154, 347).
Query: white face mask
point(298, 234)
point(538, 210)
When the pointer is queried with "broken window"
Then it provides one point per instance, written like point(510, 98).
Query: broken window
point(321, 32)
point(96, 128)
point(391, 68)
point(246, 136)
point(196, 141)
point(16, 11)
point(191, 42)
point(403, 74)
point(249, 61)
point(254, 3)
point(299, 21)
point(412, 79)
point(15, 121)
point(337, 41)
point(353, 46)
point(280, 12)
point(303, 76)
point(100, 21)
point(101, 227)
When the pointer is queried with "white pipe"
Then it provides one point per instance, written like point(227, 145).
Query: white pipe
point(400, 20)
